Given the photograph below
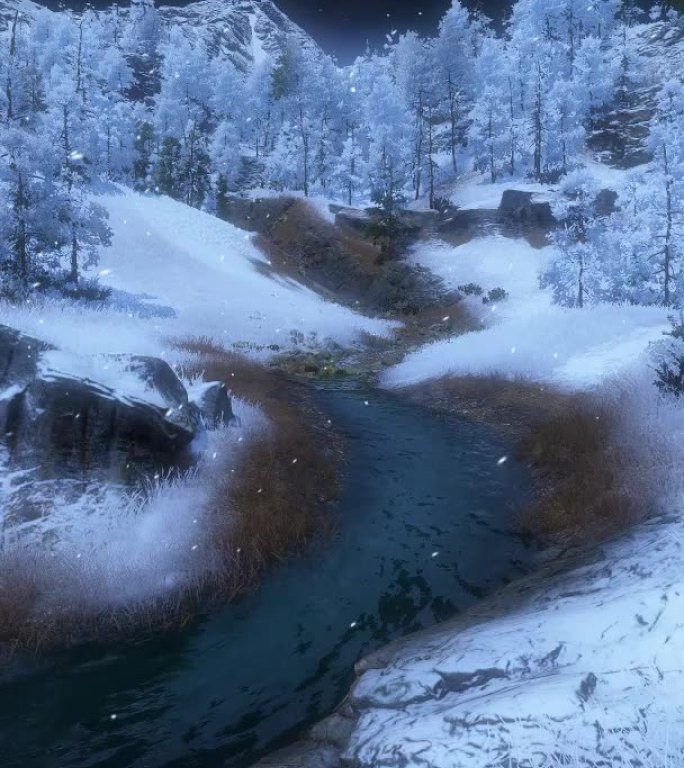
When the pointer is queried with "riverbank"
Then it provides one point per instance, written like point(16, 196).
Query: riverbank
point(262, 489)
point(249, 676)
point(580, 662)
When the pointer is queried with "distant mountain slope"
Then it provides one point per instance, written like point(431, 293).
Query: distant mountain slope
point(244, 32)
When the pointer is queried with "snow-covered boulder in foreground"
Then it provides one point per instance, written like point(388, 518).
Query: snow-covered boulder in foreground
point(106, 411)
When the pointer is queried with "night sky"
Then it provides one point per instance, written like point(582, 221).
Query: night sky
point(342, 27)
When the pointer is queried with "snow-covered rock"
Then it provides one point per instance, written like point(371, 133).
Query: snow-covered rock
point(96, 412)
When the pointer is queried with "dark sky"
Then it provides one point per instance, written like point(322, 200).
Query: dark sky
point(342, 27)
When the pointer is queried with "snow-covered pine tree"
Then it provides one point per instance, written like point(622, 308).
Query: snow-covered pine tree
point(666, 182)
point(575, 274)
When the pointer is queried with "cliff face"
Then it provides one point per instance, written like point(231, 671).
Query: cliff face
point(620, 131)
point(244, 32)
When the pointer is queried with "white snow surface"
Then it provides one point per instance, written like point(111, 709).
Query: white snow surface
point(525, 334)
point(208, 271)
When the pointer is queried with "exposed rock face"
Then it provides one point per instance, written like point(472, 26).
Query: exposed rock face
point(461, 226)
point(518, 208)
point(518, 215)
point(214, 404)
point(115, 413)
point(620, 130)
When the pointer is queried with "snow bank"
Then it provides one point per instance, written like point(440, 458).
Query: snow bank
point(569, 347)
point(212, 275)
point(525, 334)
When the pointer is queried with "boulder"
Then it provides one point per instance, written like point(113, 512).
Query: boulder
point(120, 413)
point(462, 225)
point(518, 207)
point(513, 202)
point(214, 404)
point(355, 219)
point(606, 202)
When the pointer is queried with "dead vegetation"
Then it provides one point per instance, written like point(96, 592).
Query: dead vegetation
point(279, 501)
point(345, 264)
point(591, 478)
point(275, 505)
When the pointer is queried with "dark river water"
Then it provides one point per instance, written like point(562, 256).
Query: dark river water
point(425, 529)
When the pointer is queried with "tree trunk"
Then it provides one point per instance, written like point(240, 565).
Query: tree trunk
point(512, 128)
point(21, 240)
point(669, 216)
point(8, 86)
point(431, 165)
point(452, 119)
point(73, 276)
point(538, 128)
point(418, 179)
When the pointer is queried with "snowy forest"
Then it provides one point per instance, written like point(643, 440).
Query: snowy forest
point(120, 97)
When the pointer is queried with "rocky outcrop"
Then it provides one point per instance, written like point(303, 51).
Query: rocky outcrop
point(120, 413)
point(518, 215)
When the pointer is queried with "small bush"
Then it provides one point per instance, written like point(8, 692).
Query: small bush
point(495, 295)
point(670, 370)
point(471, 289)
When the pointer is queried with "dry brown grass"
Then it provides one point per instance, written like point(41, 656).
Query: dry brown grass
point(36, 618)
point(284, 237)
point(592, 482)
point(279, 501)
point(590, 477)
point(275, 505)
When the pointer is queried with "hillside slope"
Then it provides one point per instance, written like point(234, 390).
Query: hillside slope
point(178, 272)
point(243, 32)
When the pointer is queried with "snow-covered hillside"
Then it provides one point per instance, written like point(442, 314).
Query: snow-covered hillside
point(243, 32)
point(178, 272)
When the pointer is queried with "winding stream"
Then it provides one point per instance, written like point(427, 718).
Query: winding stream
point(425, 524)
